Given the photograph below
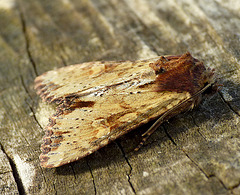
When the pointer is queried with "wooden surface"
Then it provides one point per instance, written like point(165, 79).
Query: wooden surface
point(195, 153)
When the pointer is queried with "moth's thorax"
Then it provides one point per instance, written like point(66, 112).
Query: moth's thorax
point(181, 73)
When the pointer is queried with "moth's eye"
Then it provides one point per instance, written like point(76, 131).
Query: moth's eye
point(160, 70)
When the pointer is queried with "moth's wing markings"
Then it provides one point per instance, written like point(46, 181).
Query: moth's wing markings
point(122, 98)
point(120, 110)
point(98, 103)
point(85, 78)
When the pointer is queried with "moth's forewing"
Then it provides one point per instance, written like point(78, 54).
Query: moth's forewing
point(100, 101)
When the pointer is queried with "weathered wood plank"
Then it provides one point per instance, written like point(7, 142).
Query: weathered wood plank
point(195, 153)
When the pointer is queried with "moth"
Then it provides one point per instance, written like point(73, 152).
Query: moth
point(100, 101)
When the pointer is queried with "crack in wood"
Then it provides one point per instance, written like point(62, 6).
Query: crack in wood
point(15, 174)
point(90, 169)
point(228, 104)
point(27, 45)
point(74, 173)
point(130, 170)
point(30, 107)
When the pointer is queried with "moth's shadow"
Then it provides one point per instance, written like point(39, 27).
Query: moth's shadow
point(211, 111)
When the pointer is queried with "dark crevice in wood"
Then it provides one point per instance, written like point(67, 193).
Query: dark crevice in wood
point(93, 180)
point(24, 86)
point(74, 173)
point(16, 176)
point(206, 175)
point(169, 136)
point(30, 107)
point(34, 116)
point(220, 182)
point(213, 175)
point(235, 186)
point(130, 170)
point(228, 104)
point(27, 45)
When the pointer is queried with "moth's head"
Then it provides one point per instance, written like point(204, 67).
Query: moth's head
point(212, 89)
point(183, 73)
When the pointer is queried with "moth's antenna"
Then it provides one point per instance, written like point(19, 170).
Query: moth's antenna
point(161, 119)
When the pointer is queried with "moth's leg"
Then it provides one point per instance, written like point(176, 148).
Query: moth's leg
point(150, 131)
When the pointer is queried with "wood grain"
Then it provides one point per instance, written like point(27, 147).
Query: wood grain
point(195, 153)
